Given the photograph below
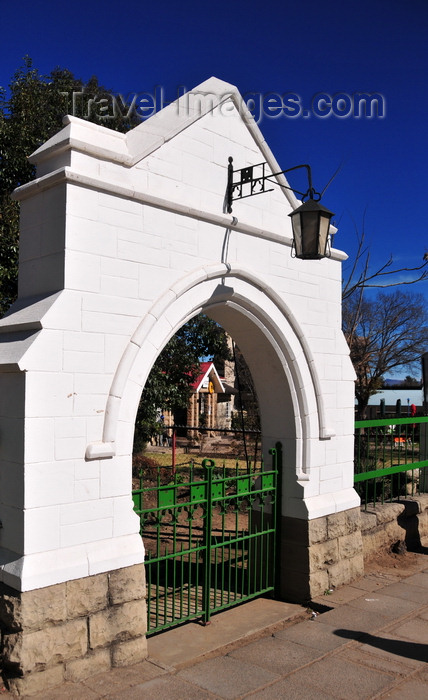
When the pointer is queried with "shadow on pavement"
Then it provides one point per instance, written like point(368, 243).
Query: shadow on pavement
point(410, 650)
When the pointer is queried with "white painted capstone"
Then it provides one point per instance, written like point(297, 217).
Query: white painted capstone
point(123, 239)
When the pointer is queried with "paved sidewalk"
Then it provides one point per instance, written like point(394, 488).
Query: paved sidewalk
point(372, 642)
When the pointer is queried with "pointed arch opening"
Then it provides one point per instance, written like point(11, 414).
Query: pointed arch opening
point(291, 405)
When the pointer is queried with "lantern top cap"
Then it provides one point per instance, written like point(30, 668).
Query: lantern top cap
point(311, 205)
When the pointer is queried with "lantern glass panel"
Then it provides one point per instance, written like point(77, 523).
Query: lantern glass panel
point(297, 234)
point(323, 236)
point(310, 226)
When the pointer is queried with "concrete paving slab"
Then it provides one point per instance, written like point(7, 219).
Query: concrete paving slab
point(322, 638)
point(412, 652)
point(345, 681)
point(117, 679)
point(227, 677)
point(339, 596)
point(292, 688)
point(407, 591)
point(382, 604)
point(411, 689)
point(415, 630)
point(420, 579)
point(423, 674)
point(67, 691)
point(352, 619)
point(366, 655)
point(373, 581)
point(170, 688)
point(193, 642)
point(277, 655)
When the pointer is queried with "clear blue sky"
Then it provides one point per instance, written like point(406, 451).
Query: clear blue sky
point(305, 48)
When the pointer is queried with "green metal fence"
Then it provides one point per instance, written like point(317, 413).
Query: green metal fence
point(391, 458)
point(209, 534)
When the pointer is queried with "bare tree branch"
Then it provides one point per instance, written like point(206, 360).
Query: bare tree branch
point(378, 279)
point(333, 177)
point(383, 333)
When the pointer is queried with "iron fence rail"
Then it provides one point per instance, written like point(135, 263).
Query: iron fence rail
point(390, 458)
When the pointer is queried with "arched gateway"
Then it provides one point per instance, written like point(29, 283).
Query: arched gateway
point(123, 240)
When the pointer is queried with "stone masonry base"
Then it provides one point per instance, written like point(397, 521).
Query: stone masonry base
point(76, 629)
point(318, 554)
point(403, 521)
point(72, 630)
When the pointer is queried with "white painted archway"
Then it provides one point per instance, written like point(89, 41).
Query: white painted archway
point(284, 373)
point(123, 240)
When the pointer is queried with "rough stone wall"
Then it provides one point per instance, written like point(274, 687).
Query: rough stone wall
point(72, 630)
point(387, 524)
point(320, 553)
point(330, 551)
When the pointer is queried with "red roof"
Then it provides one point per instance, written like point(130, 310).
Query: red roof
point(205, 368)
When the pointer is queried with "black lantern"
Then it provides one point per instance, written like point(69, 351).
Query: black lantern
point(310, 221)
point(311, 224)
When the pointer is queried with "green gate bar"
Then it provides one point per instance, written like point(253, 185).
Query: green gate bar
point(209, 534)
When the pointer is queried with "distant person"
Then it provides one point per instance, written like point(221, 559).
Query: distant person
point(161, 431)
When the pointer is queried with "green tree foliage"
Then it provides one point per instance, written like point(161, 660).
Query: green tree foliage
point(169, 383)
point(247, 414)
point(31, 113)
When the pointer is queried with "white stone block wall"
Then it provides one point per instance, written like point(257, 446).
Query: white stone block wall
point(123, 239)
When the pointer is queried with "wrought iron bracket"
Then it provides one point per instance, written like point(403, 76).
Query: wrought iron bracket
point(250, 181)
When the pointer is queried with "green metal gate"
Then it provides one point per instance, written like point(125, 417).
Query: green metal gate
point(210, 538)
